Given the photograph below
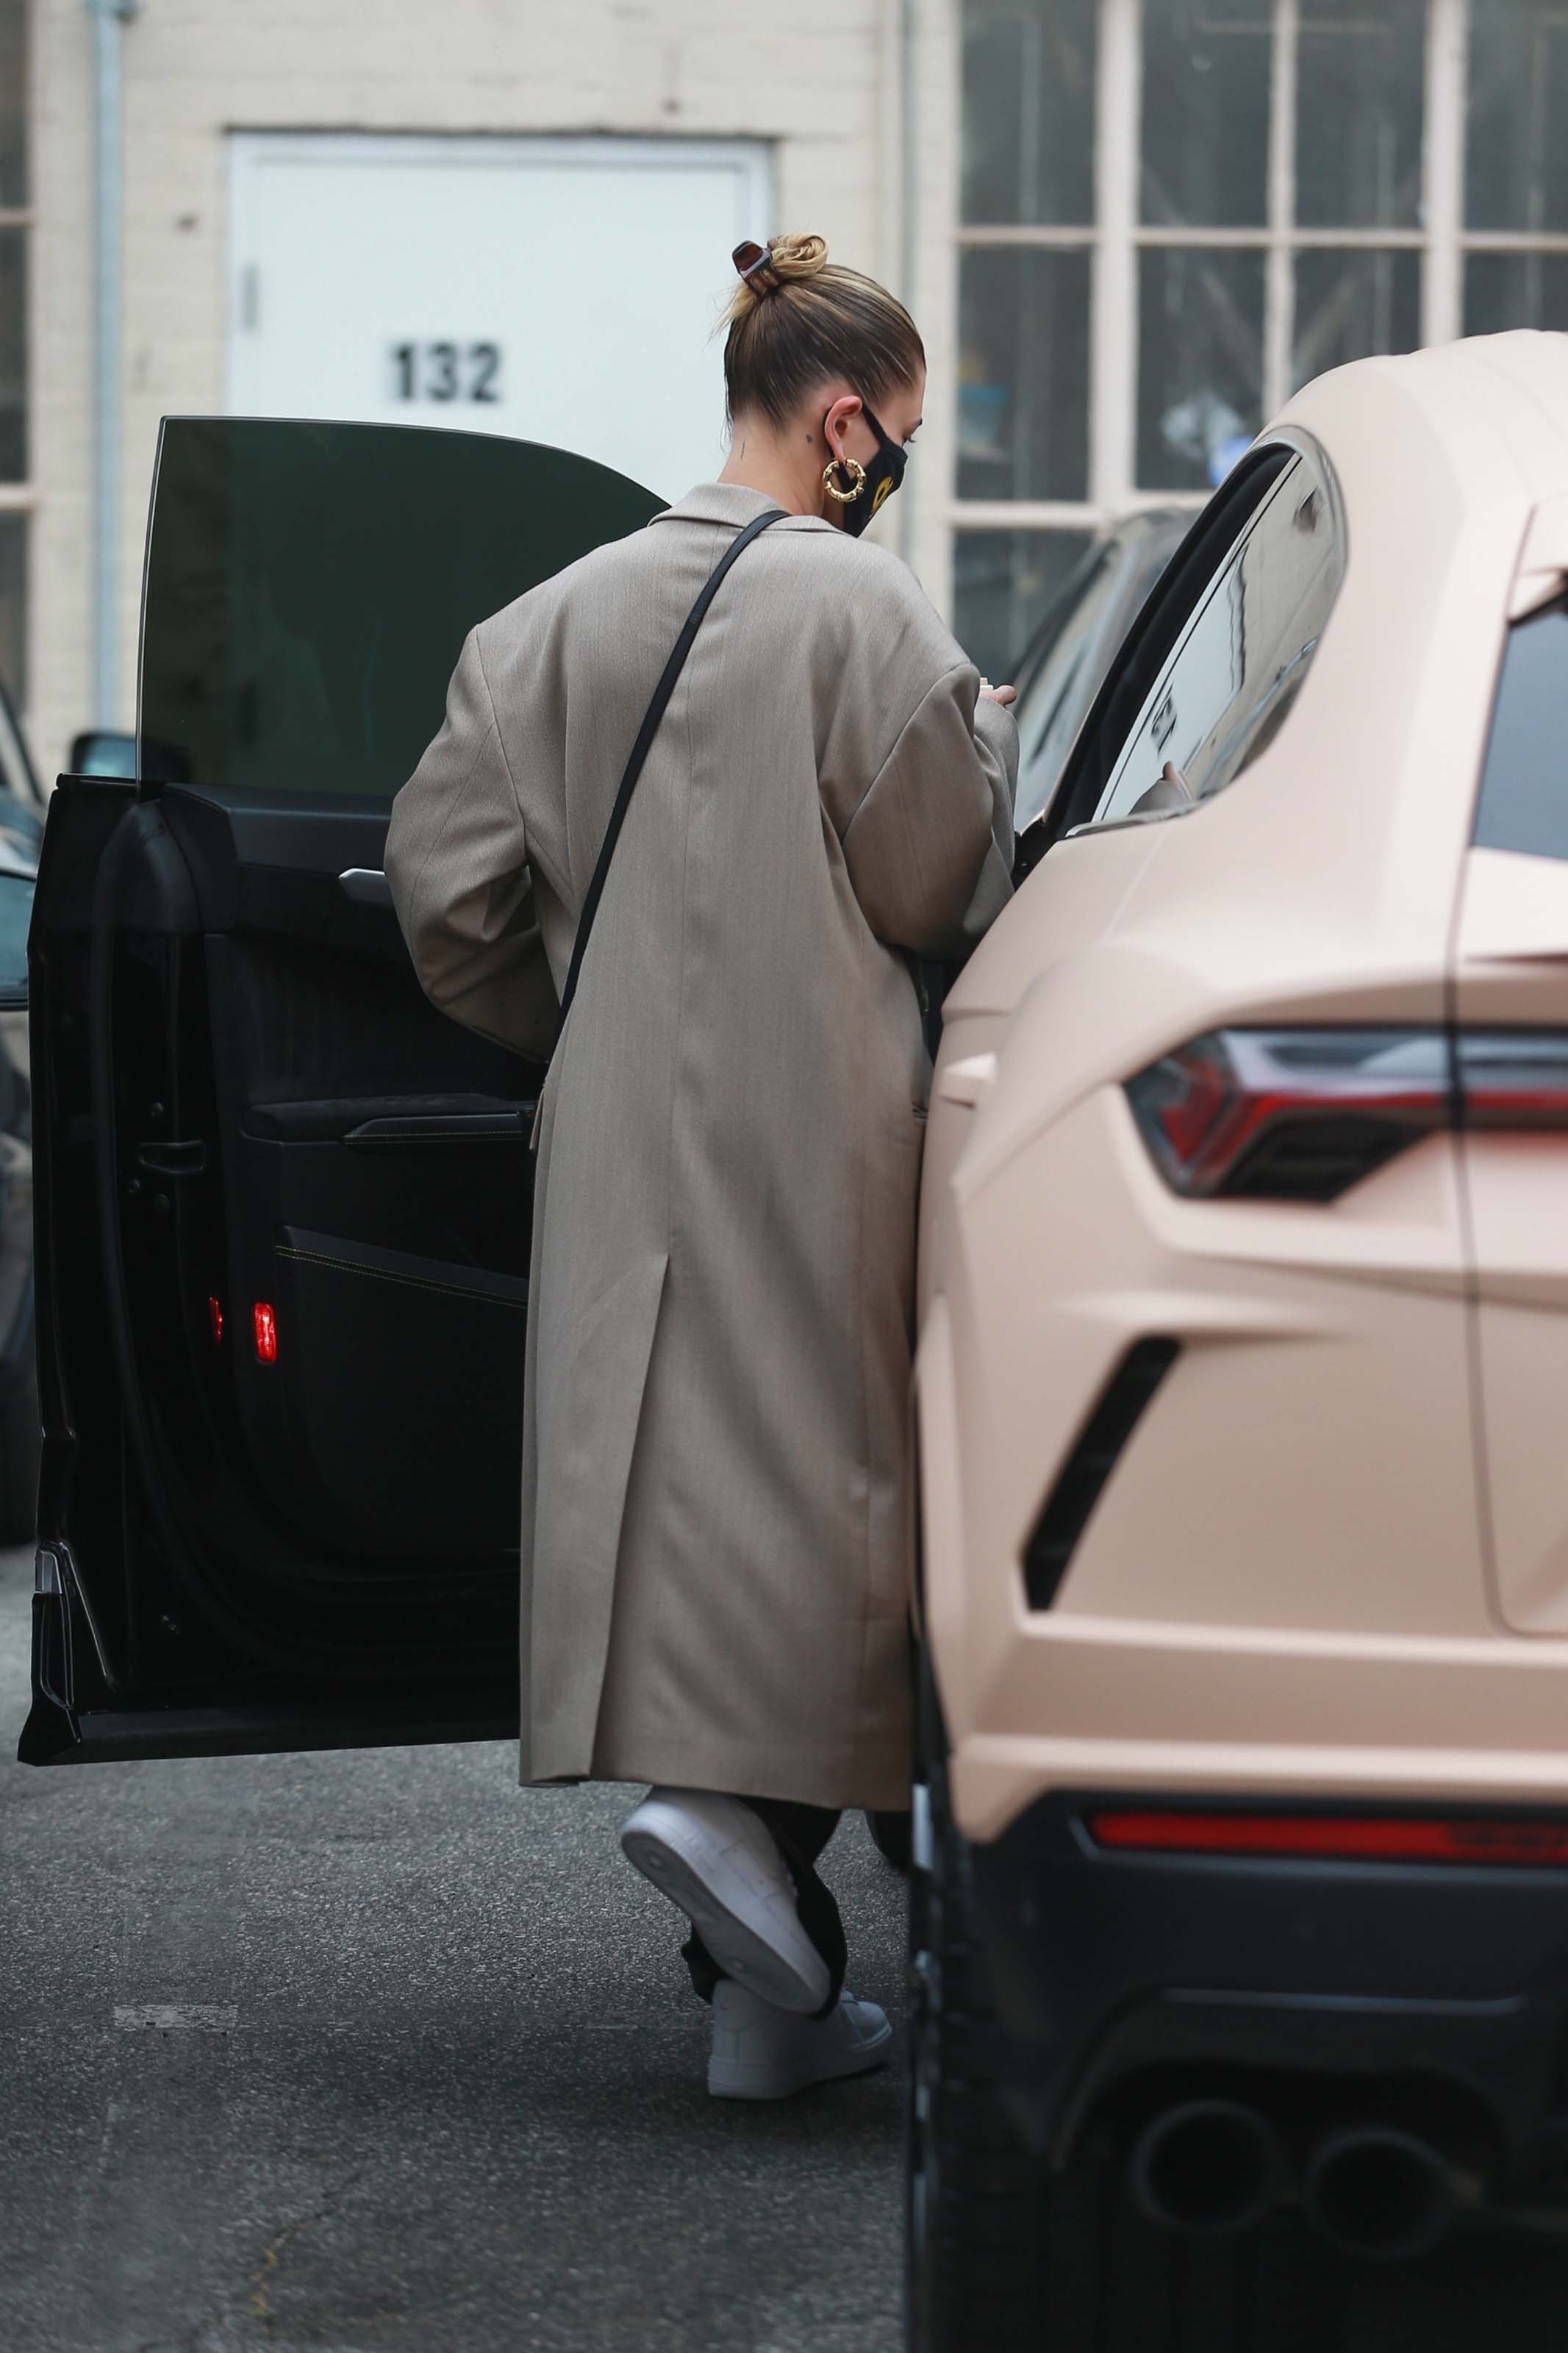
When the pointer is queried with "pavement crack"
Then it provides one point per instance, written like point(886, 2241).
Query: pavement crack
point(264, 2275)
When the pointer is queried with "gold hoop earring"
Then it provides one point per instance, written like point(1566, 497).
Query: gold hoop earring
point(849, 465)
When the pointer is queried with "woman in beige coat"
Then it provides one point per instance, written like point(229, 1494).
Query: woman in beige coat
point(715, 1515)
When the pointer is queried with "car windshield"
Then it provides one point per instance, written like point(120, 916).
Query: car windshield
point(310, 585)
point(1048, 707)
point(16, 879)
point(1079, 641)
point(16, 777)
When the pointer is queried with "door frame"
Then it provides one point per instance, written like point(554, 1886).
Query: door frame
point(252, 152)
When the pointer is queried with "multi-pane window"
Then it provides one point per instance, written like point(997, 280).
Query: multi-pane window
point(15, 222)
point(1516, 166)
point(1176, 212)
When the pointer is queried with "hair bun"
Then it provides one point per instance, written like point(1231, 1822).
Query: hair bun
point(764, 269)
point(794, 258)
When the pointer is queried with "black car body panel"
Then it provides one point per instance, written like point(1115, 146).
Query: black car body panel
point(285, 1205)
point(1322, 1989)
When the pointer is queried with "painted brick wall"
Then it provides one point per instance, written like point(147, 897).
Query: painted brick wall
point(820, 79)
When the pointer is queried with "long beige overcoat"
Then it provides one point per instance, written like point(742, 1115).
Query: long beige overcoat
point(714, 1512)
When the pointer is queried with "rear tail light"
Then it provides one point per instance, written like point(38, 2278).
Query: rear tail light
point(1342, 1837)
point(1516, 1078)
point(1302, 1114)
point(266, 1325)
point(214, 1318)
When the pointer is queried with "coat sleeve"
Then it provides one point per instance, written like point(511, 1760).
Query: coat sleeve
point(929, 846)
point(457, 860)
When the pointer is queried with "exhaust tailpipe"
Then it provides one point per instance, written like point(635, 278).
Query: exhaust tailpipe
point(1379, 2193)
point(1208, 2168)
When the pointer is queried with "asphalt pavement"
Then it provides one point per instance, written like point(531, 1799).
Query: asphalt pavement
point(377, 2053)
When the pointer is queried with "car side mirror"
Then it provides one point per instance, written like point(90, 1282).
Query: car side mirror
point(1170, 790)
point(103, 752)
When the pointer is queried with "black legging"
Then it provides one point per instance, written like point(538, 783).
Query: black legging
point(800, 1833)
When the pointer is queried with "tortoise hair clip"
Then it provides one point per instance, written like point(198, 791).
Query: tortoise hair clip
point(754, 264)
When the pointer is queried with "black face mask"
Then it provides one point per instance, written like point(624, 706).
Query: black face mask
point(883, 475)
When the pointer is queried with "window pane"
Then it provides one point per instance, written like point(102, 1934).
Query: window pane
point(1516, 155)
point(13, 355)
point(1003, 582)
point(1200, 364)
point(13, 605)
point(1523, 803)
point(13, 101)
point(307, 595)
point(1349, 305)
point(1028, 111)
point(1233, 679)
point(1206, 66)
point(1023, 395)
point(1515, 290)
point(1359, 80)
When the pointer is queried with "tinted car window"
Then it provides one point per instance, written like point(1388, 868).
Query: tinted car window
point(16, 916)
point(17, 776)
point(1048, 702)
point(1524, 784)
point(1241, 660)
point(1058, 690)
point(308, 587)
point(1159, 628)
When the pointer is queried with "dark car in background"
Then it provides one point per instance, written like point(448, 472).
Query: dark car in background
point(21, 835)
point(1059, 673)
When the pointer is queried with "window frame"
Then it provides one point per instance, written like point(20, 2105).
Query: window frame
point(1116, 237)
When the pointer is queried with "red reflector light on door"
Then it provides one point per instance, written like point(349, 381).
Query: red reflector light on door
point(1344, 1838)
point(214, 1318)
point(266, 1334)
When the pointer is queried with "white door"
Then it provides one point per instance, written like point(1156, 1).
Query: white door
point(560, 290)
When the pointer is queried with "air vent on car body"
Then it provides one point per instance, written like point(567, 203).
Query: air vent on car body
point(1082, 1479)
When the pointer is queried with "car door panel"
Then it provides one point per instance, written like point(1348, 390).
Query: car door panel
point(283, 1263)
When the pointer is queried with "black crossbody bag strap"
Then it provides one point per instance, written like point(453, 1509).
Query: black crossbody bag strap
point(646, 735)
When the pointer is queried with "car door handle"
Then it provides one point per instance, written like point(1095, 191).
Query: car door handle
point(965, 1082)
point(173, 1159)
point(367, 886)
point(448, 1128)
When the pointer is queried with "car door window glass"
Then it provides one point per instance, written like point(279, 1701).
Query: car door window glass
point(1523, 802)
point(310, 585)
point(1240, 662)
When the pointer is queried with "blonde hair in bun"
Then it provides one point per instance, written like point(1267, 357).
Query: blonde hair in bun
point(798, 320)
point(784, 261)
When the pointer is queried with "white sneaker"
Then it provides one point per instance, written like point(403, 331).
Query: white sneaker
point(760, 2052)
point(720, 1862)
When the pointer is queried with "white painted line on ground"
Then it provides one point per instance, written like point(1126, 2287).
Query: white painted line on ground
point(203, 2017)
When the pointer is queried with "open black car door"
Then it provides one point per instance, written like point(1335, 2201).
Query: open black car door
point(283, 1205)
